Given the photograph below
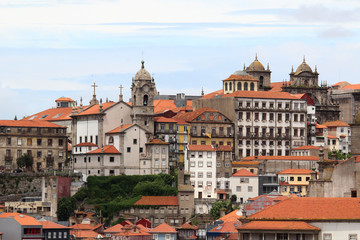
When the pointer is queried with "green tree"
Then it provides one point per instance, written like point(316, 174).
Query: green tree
point(25, 160)
point(233, 198)
point(215, 210)
point(66, 207)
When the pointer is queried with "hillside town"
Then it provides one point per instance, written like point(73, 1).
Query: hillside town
point(255, 159)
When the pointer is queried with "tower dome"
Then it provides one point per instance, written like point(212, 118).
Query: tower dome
point(142, 74)
point(303, 67)
point(255, 66)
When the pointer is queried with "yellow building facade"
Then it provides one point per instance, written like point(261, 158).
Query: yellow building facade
point(294, 181)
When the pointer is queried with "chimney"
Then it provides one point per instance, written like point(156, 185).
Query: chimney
point(321, 154)
point(313, 174)
point(222, 212)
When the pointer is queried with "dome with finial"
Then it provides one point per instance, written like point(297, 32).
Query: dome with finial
point(142, 74)
point(255, 66)
point(303, 67)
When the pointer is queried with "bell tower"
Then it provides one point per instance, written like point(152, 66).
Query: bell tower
point(143, 90)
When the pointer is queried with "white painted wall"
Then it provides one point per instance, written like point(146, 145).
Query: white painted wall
point(339, 230)
point(244, 192)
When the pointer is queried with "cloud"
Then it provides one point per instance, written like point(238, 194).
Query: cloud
point(336, 32)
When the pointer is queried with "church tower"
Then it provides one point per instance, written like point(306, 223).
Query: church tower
point(143, 91)
point(257, 70)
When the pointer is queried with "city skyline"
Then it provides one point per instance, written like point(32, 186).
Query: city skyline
point(52, 49)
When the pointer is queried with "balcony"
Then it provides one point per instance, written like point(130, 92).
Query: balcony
point(8, 158)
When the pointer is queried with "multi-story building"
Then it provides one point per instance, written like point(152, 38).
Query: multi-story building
point(156, 159)
point(294, 181)
point(46, 142)
point(224, 158)
point(307, 150)
point(20, 227)
point(342, 131)
point(244, 185)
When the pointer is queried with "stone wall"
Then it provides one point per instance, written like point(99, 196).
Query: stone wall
point(15, 186)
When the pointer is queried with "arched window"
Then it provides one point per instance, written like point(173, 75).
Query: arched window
point(146, 99)
point(230, 86)
point(261, 81)
point(246, 86)
point(239, 86)
point(252, 86)
point(134, 99)
point(225, 86)
point(111, 140)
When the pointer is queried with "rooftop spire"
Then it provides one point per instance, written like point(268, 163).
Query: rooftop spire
point(244, 66)
point(304, 59)
point(256, 57)
point(268, 68)
point(121, 95)
point(142, 64)
point(202, 91)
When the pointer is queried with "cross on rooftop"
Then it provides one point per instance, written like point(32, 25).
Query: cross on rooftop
point(121, 87)
point(94, 86)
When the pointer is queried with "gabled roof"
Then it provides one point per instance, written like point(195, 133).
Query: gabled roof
point(311, 208)
point(29, 123)
point(207, 148)
point(51, 225)
point(158, 200)
point(187, 226)
point(307, 147)
point(232, 216)
point(294, 158)
point(336, 124)
point(52, 114)
point(295, 171)
point(85, 234)
point(82, 226)
point(86, 144)
point(278, 225)
point(223, 148)
point(22, 219)
point(352, 87)
point(108, 149)
point(161, 105)
point(120, 128)
point(95, 109)
point(190, 116)
point(156, 142)
point(227, 227)
point(213, 94)
point(320, 126)
point(241, 78)
point(331, 136)
point(244, 173)
point(339, 83)
point(261, 94)
point(163, 228)
point(115, 228)
point(164, 119)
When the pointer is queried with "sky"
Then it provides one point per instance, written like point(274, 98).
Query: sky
point(50, 49)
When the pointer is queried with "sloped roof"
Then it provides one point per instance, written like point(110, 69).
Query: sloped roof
point(156, 142)
point(64, 99)
point(227, 227)
point(52, 114)
point(295, 171)
point(163, 228)
point(164, 119)
point(336, 124)
point(278, 225)
point(115, 228)
point(307, 147)
point(213, 94)
point(320, 126)
point(331, 136)
point(29, 123)
point(241, 78)
point(232, 216)
point(352, 87)
point(207, 148)
point(245, 163)
point(244, 173)
point(51, 225)
point(158, 200)
point(120, 128)
point(261, 94)
point(223, 148)
point(108, 149)
point(161, 105)
point(85, 234)
point(82, 226)
point(311, 208)
point(22, 219)
point(86, 144)
point(190, 116)
point(301, 158)
point(187, 226)
point(339, 83)
point(95, 109)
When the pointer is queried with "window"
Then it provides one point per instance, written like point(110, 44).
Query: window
point(155, 235)
point(61, 142)
point(60, 234)
point(163, 162)
point(327, 236)
point(19, 141)
point(49, 234)
point(111, 172)
point(244, 180)
point(282, 236)
point(54, 234)
point(209, 154)
point(200, 174)
point(200, 154)
point(49, 142)
point(299, 179)
point(112, 159)
point(352, 236)
point(141, 150)
point(218, 164)
point(29, 142)
point(209, 174)
point(200, 164)
point(250, 188)
point(156, 162)
point(128, 149)
point(209, 164)
point(227, 184)
point(163, 150)
point(291, 178)
point(8, 141)
point(238, 188)
point(200, 183)
point(192, 164)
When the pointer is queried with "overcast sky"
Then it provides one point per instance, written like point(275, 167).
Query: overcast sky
point(50, 49)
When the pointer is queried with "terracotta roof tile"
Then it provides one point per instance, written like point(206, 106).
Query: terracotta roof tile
point(232, 216)
point(187, 226)
point(310, 208)
point(245, 163)
point(278, 225)
point(29, 123)
point(213, 94)
point(164, 119)
point(244, 173)
point(114, 229)
point(331, 136)
point(276, 86)
point(295, 171)
point(108, 149)
point(241, 77)
point(95, 109)
point(336, 124)
point(22, 219)
point(339, 83)
point(224, 148)
point(227, 227)
point(261, 94)
point(163, 228)
point(51, 225)
point(158, 200)
point(190, 116)
point(85, 234)
point(156, 141)
point(52, 114)
point(81, 226)
point(64, 99)
point(352, 87)
point(120, 128)
point(307, 147)
point(208, 148)
point(301, 158)
point(161, 105)
point(320, 126)
point(86, 144)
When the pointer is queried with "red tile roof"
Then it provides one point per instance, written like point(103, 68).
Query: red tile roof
point(108, 149)
point(85, 234)
point(164, 119)
point(22, 219)
point(224, 148)
point(158, 200)
point(276, 86)
point(51, 225)
point(52, 114)
point(156, 141)
point(232, 216)
point(339, 83)
point(331, 136)
point(29, 123)
point(245, 163)
point(227, 227)
point(310, 208)
point(81, 226)
point(213, 94)
point(161, 105)
point(320, 126)
point(336, 124)
point(120, 128)
point(295, 171)
point(187, 226)
point(86, 144)
point(301, 158)
point(95, 108)
point(307, 147)
point(64, 99)
point(241, 77)
point(163, 228)
point(261, 94)
point(244, 173)
point(190, 116)
point(342, 136)
point(208, 148)
point(114, 229)
point(352, 87)
point(278, 225)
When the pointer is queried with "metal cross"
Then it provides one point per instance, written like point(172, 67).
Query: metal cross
point(121, 87)
point(94, 86)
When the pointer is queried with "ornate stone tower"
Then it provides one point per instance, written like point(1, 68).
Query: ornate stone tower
point(257, 70)
point(143, 91)
point(304, 76)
